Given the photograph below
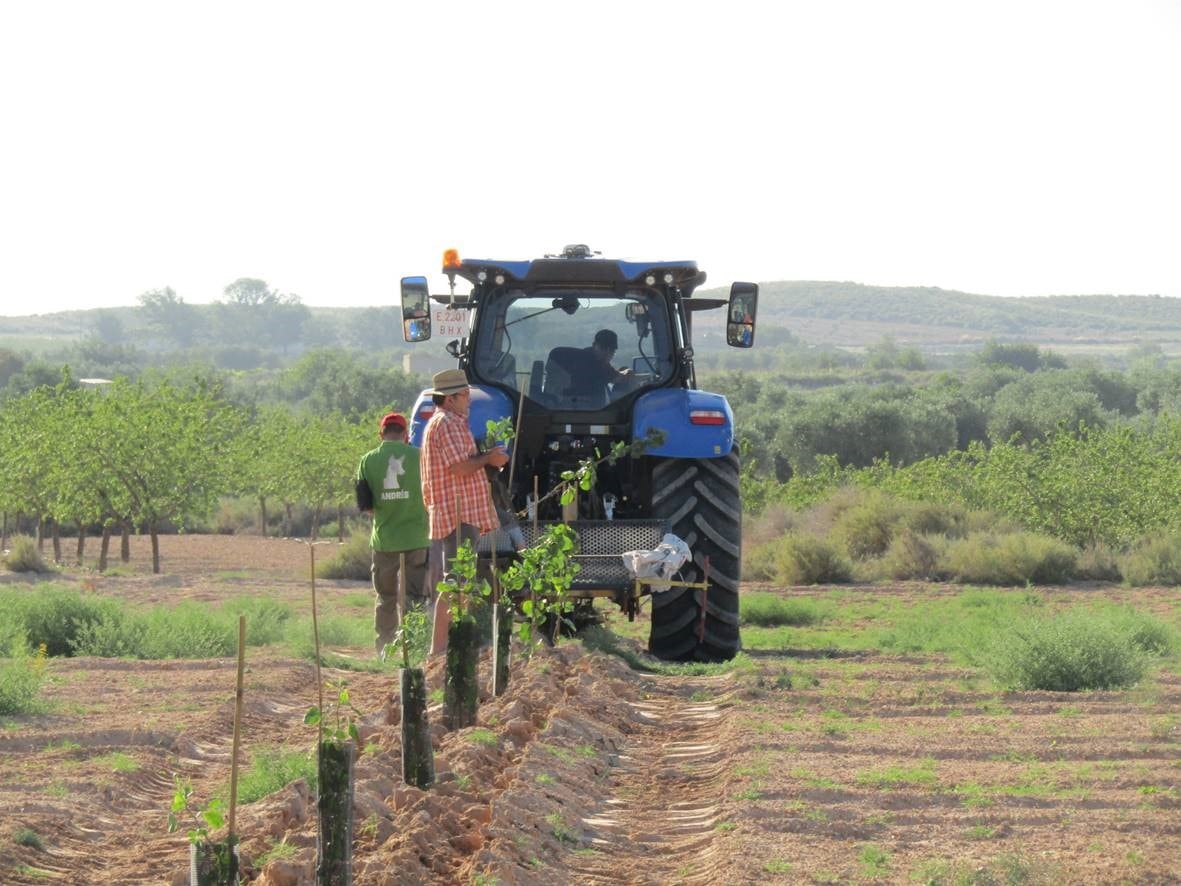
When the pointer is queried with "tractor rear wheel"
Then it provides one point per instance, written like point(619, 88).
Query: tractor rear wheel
point(700, 499)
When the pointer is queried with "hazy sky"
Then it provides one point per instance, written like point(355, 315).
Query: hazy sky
point(1006, 148)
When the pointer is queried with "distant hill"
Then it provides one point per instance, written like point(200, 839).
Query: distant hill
point(850, 315)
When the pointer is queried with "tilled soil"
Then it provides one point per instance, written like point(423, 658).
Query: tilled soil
point(798, 768)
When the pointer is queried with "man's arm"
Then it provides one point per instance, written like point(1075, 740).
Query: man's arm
point(455, 445)
point(364, 496)
point(497, 457)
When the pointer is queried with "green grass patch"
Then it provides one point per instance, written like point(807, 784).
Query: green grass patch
point(900, 776)
point(772, 610)
point(28, 837)
point(117, 761)
point(272, 769)
point(481, 736)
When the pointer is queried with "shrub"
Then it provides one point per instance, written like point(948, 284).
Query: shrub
point(771, 610)
point(866, 528)
point(774, 522)
point(1069, 652)
point(1146, 631)
point(21, 674)
point(806, 560)
point(929, 518)
point(236, 516)
point(23, 556)
point(1009, 559)
point(1155, 560)
point(913, 556)
point(53, 615)
point(758, 562)
point(352, 560)
point(1098, 562)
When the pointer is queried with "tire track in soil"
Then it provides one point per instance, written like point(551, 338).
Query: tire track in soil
point(658, 824)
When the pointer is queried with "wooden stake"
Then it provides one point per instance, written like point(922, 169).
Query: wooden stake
point(237, 725)
point(316, 636)
point(512, 465)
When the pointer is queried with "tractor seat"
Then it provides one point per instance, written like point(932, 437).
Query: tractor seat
point(571, 376)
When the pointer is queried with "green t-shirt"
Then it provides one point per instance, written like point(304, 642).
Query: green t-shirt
point(399, 517)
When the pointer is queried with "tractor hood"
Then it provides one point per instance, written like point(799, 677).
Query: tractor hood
point(579, 271)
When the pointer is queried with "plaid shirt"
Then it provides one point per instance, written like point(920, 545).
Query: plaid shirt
point(446, 442)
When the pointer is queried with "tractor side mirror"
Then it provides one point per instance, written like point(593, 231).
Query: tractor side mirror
point(740, 315)
point(416, 309)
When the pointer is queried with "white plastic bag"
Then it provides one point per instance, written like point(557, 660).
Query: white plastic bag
point(657, 567)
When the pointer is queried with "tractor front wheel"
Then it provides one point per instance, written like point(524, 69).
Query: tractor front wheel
point(701, 501)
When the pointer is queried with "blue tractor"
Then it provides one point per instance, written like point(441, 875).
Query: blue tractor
point(582, 352)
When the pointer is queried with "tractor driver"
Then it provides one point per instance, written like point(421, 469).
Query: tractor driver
point(603, 349)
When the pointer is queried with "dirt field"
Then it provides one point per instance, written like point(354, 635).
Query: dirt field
point(797, 768)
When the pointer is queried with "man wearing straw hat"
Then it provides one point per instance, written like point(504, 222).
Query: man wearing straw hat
point(455, 489)
point(388, 488)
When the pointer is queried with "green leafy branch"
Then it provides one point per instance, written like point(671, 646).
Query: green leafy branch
point(343, 728)
point(411, 640)
point(545, 572)
point(462, 581)
point(586, 474)
point(208, 818)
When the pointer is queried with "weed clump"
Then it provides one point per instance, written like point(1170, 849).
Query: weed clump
point(53, 616)
point(1155, 560)
point(806, 560)
point(912, 555)
point(23, 556)
point(352, 560)
point(1013, 558)
point(1072, 651)
point(771, 610)
point(21, 673)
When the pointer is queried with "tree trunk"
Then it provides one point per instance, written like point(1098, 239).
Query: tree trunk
point(4, 533)
point(81, 541)
point(340, 524)
point(502, 640)
point(40, 534)
point(334, 806)
point(104, 548)
point(155, 547)
point(287, 519)
point(125, 543)
point(460, 685)
point(418, 757)
point(55, 533)
point(262, 516)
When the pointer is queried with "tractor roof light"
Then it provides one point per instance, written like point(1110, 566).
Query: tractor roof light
point(482, 276)
point(500, 279)
point(451, 259)
point(668, 276)
point(650, 279)
point(707, 417)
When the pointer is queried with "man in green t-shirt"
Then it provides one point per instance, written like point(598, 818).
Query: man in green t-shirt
point(389, 489)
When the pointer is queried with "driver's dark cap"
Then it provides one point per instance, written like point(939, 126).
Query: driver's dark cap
point(605, 338)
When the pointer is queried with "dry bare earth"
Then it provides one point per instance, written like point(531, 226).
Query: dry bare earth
point(869, 767)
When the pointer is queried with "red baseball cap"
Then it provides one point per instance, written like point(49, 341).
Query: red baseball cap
point(393, 418)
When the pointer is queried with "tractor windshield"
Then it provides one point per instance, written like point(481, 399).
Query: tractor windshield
point(573, 349)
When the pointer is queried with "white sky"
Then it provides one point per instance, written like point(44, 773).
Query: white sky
point(1006, 148)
